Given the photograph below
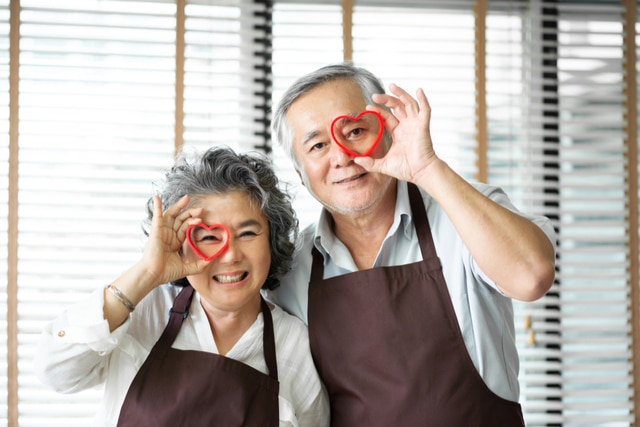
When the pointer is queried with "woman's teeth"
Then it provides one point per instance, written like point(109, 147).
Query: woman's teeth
point(229, 278)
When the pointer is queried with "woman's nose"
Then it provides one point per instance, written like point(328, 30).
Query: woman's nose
point(232, 253)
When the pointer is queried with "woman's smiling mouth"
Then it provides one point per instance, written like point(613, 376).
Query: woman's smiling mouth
point(230, 278)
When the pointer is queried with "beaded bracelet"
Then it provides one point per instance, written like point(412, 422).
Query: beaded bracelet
point(121, 297)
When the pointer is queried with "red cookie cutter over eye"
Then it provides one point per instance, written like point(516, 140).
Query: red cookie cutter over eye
point(211, 242)
point(358, 136)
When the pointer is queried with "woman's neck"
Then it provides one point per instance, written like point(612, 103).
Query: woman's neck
point(228, 327)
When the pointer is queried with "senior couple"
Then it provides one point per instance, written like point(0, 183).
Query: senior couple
point(405, 282)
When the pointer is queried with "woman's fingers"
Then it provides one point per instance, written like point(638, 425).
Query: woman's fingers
point(156, 211)
point(181, 231)
point(180, 221)
point(195, 267)
point(175, 209)
point(175, 216)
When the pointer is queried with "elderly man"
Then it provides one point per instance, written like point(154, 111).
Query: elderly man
point(406, 280)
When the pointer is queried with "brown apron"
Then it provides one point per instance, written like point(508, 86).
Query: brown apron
point(195, 388)
point(389, 349)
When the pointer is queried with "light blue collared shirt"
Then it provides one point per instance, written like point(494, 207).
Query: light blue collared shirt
point(484, 314)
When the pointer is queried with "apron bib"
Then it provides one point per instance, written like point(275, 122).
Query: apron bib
point(389, 349)
point(195, 388)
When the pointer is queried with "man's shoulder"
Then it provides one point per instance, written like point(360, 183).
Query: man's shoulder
point(309, 231)
point(305, 240)
point(287, 323)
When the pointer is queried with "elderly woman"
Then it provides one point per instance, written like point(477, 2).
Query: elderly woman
point(183, 337)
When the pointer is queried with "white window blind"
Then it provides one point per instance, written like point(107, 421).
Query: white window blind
point(429, 46)
point(97, 126)
point(223, 75)
point(636, 381)
point(556, 144)
point(516, 161)
point(4, 195)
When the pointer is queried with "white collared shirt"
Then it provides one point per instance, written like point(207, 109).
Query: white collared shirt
point(76, 351)
point(484, 314)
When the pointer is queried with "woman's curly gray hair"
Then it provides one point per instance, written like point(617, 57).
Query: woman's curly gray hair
point(220, 170)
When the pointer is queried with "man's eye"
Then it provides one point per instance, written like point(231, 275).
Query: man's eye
point(317, 146)
point(356, 133)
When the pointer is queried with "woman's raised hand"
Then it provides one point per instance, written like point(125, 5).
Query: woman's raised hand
point(162, 256)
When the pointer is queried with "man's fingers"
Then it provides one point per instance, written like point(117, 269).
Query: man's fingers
point(408, 102)
point(425, 107)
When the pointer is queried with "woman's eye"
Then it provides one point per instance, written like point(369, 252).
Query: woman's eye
point(208, 236)
point(248, 234)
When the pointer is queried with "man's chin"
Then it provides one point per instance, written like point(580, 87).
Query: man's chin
point(351, 207)
point(354, 201)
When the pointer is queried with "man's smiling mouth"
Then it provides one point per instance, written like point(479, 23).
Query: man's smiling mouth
point(352, 178)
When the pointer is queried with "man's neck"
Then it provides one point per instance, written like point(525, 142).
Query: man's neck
point(364, 232)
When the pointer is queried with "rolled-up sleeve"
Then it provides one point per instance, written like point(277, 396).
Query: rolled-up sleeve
point(73, 349)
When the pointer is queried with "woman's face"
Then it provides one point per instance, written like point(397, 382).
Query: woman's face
point(232, 281)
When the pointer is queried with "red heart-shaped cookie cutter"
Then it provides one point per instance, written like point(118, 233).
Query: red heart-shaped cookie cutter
point(359, 135)
point(218, 247)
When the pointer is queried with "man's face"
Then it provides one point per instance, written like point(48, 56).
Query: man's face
point(326, 170)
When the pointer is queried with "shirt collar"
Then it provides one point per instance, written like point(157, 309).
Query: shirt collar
point(325, 241)
point(403, 216)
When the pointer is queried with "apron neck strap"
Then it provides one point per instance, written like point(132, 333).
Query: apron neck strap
point(421, 223)
point(180, 311)
point(177, 314)
point(268, 340)
point(317, 266)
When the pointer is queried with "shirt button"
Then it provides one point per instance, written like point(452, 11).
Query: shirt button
point(61, 334)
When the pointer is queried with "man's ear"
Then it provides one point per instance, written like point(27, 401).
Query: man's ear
point(300, 176)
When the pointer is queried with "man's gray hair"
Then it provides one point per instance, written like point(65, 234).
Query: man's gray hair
point(281, 131)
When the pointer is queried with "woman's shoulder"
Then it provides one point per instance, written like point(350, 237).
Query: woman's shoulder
point(167, 293)
point(154, 308)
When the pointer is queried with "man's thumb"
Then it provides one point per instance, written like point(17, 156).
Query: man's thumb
point(366, 162)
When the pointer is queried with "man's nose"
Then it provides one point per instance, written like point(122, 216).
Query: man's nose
point(338, 156)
